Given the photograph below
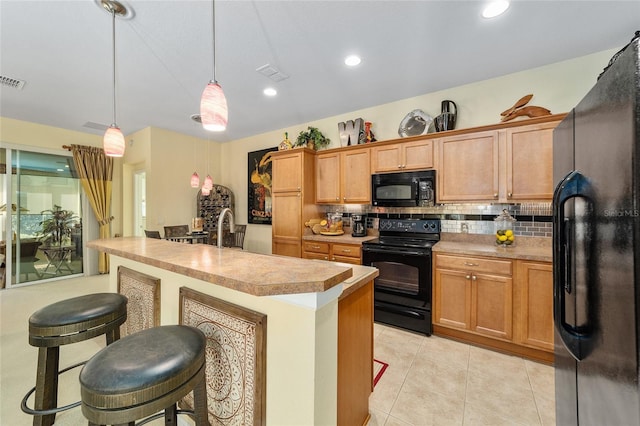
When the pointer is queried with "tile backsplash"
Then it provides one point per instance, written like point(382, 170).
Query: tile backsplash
point(533, 219)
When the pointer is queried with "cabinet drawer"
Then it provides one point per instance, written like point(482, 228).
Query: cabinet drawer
point(475, 264)
point(346, 250)
point(316, 256)
point(316, 247)
point(345, 259)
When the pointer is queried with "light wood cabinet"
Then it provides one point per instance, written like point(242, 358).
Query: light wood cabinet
point(292, 194)
point(416, 155)
point(503, 165)
point(468, 167)
point(498, 303)
point(337, 252)
point(534, 302)
point(529, 162)
point(343, 177)
point(355, 356)
point(474, 294)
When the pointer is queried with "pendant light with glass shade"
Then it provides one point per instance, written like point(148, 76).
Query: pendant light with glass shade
point(195, 178)
point(113, 142)
point(213, 104)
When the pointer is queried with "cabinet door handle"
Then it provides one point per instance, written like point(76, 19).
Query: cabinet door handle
point(346, 251)
point(315, 247)
point(298, 195)
point(337, 198)
point(326, 258)
point(473, 277)
point(495, 195)
point(399, 166)
point(509, 194)
point(299, 189)
point(470, 264)
point(344, 198)
point(468, 276)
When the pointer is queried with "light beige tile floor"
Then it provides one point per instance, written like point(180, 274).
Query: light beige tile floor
point(437, 381)
point(429, 381)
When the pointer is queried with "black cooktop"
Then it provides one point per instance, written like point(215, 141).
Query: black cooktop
point(418, 233)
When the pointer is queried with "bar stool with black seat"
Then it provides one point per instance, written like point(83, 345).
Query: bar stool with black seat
point(145, 373)
point(62, 323)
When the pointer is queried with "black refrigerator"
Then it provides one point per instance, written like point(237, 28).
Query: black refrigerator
point(596, 251)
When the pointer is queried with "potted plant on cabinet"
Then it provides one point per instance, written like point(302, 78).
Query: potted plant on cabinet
point(312, 138)
point(57, 228)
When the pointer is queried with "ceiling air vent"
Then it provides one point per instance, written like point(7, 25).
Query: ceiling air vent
point(11, 82)
point(272, 72)
point(95, 126)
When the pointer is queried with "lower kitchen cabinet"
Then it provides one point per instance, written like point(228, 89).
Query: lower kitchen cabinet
point(500, 303)
point(474, 294)
point(336, 252)
point(534, 309)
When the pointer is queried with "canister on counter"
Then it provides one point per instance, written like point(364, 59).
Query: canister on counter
point(504, 224)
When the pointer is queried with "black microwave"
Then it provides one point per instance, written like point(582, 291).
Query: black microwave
point(404, 189)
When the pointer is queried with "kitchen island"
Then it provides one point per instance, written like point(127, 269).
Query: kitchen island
point(319, 338)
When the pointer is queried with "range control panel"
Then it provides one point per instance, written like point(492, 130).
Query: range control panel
point(414, 226)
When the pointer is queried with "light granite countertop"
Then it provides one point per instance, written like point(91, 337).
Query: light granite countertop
point(256, 274)
point(526, 248)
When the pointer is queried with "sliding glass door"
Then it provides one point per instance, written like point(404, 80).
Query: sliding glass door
point(40, 215)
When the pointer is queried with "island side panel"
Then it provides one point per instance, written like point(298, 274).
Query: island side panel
point(302, 345)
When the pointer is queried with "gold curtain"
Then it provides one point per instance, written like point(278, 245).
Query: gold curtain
point(95, 170)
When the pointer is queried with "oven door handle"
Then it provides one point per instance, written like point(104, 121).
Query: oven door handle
point(395, 251)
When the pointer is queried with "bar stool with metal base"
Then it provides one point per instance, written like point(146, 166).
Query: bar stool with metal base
point(68, 321)
point(145, 373)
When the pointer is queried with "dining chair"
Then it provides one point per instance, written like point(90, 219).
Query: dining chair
point(176, 231)
point(28, 252)
point(236, 239)
point(152, 234)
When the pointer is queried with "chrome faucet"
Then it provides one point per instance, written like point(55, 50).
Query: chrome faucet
point(232, 225)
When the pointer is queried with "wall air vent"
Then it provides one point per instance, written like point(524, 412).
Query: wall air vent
point(11, 82)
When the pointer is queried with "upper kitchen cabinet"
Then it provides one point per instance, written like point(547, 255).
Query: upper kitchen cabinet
point(505, 163)
point(343, 177)
point(416, 155)
point(468, 167)
point(529, 162)
point(292, 197)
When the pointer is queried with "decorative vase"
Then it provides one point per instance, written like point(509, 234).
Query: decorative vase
point(311, 144)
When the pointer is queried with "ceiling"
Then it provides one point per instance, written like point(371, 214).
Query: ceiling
point(62, 49)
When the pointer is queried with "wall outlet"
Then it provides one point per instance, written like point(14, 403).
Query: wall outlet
point(464, 228)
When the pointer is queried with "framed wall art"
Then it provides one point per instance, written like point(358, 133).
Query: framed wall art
point(260, 176)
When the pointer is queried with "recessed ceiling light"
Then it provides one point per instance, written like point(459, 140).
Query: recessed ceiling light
point(495, 8)
point(352, 60)
point(270, 91)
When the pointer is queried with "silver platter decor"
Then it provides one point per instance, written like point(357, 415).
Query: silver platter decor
point(416, 123)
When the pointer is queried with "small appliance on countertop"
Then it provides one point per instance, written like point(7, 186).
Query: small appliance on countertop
point(358, 225)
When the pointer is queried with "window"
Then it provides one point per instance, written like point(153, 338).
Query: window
point(40, 216)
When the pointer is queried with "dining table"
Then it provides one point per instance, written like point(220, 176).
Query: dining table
point(193, 238)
